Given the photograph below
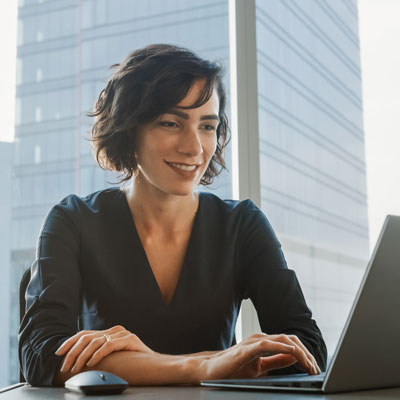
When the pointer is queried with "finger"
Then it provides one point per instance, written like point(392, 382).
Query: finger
point(114, 329)
point(306, 362)
point(250, 370)
point(132, 342)
point(310, 356)
point(67, 345)
point(307, 352)
point(122, 340)
point(299, 353)
point(247, 359)
point(87, 353)
point(74, 346)
point(77, 349)
point(262, 348)
point(97, 343)
point(107, 348)
point(276, 362)
point(254, 338)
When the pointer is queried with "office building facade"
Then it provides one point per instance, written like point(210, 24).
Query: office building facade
point(6, 154)
point(312, 153)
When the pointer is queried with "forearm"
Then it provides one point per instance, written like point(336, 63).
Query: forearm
point(146, 369)
point(204, 354)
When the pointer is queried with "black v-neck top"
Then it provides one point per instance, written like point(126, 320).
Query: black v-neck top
point(91, 272)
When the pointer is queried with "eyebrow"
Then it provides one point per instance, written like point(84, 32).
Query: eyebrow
point(186, 116)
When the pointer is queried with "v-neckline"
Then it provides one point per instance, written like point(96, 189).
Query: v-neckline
point(147, 262)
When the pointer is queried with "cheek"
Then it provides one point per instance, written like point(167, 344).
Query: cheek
point(155, 147)
point(210, 145)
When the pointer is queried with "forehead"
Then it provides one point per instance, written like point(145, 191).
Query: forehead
point(184, 115)
point(194, 93)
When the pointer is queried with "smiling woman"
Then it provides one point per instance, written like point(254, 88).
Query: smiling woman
point(149, 86)
point(146, 280)
point(185, 142)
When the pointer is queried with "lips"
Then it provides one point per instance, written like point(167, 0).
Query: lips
point(186, 170)
point(183, 167)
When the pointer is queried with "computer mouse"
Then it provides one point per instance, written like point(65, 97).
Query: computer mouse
point(96, 382)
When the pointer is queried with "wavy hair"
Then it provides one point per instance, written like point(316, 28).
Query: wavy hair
point(148, 83)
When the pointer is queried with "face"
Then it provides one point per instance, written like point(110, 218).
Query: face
point(173, 152)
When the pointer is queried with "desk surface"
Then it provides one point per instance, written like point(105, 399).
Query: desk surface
point(191, 393)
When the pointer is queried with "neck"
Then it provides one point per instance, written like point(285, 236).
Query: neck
point(159, 212)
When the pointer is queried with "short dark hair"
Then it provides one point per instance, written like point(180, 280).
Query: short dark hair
point(149, 82)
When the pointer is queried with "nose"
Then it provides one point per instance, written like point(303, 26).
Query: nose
point(190, 142)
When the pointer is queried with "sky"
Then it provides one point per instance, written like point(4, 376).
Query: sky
point(380, 62)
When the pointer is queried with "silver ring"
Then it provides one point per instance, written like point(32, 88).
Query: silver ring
point(108, 337)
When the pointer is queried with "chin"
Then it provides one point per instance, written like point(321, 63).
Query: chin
point(181, 191)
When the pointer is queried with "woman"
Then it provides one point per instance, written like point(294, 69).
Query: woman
point(146, 281)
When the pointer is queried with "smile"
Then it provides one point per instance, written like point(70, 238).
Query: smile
point(183, 167)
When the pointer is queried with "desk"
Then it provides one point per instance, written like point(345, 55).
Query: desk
point(191, 393)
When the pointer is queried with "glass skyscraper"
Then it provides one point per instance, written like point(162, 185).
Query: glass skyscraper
point(312, 162)
point(5, 227)
point(310, 117)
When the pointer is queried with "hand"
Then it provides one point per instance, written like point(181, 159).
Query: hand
point(87, 348)
point(256, 356)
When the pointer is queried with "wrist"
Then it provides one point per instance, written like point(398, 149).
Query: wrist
point(194, 367)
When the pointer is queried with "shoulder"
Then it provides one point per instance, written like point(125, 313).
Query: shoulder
point(232, 209)
point(92, 203)
point(242, 217)
point(227, 206)
point(73, 208)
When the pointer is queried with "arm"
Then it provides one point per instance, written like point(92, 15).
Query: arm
point(149, 368)
point(288, 313)
point(139, 368)
point(52, 296)
point(274, 289)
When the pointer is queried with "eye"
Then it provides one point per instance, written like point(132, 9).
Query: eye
point(168, 124)
point(209, 128)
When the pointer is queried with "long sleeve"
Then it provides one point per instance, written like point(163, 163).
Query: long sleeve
point(274, 289)
point(52, 296)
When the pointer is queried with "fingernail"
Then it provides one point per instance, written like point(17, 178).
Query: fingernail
point(314, 369)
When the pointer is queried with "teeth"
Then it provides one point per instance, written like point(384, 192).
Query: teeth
point(183, 167)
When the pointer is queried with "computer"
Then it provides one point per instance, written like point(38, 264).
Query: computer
point(368, 352)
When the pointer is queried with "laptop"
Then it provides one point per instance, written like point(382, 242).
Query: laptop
point(368, 352)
